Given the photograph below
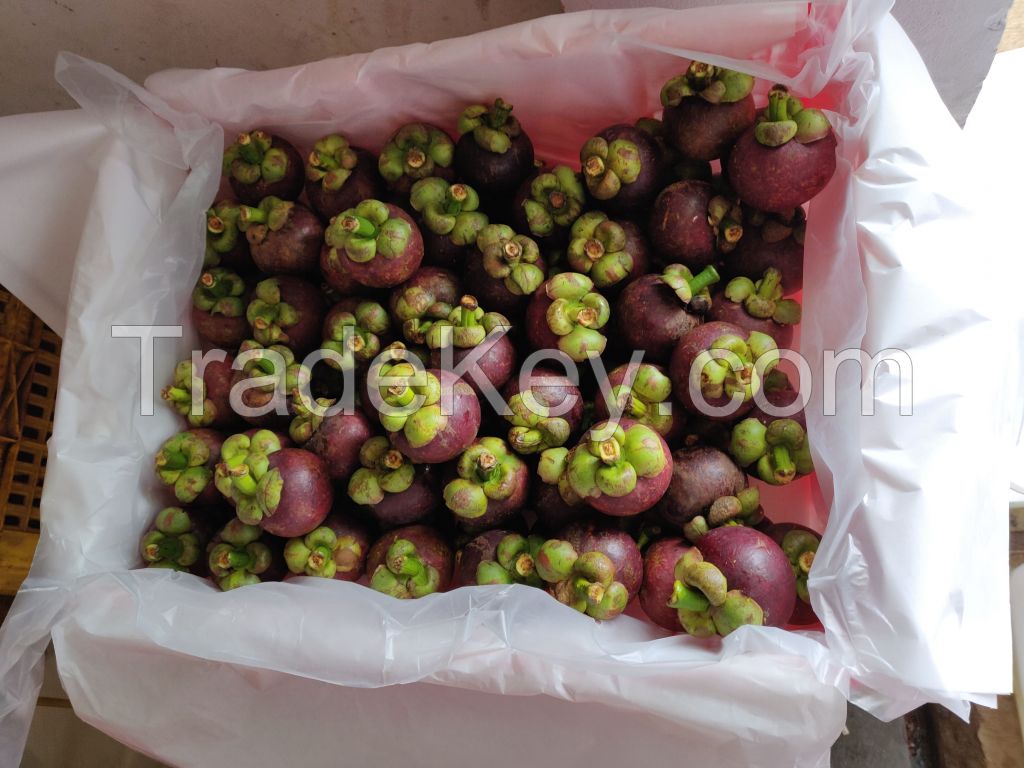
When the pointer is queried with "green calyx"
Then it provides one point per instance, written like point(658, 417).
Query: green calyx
point(322, 553)
point(742, 509)
point(598, 249)
point(219, 292)
point(785, 119)
point(585, 582)
point(733, 367)
point(261, 363)
point(613, 465)
point(609, 165)
point(716, 85)
point(221, 231)
point(552, 469)
point(355, 336)
point(367, 231)
point(308, 416)
point(763, 299)
point(533, 430)
point(780, 452)
point(648, 400)
point(244, 475)
point(270, 216)
point(576, 315)
point(514, 563)
point(417, 151)
point(800, 548)
point(556, 200)
point(181, 463)
point(269, 316)
point(726, 220)
point(705, 604)
point(692, 290)
point(418, 308)
point(776, 227)
point(384, 470)
point(239, 558)
point(449, 209)
point(511, 258)
point(415, 401)
point(493, 126)
point(404, 574)
point(252, 157)
point(467, 326)
point(179, 395)
point(331, 162)
point(171, 542)
point(487, 470)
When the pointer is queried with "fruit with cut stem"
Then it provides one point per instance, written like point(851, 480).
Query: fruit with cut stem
point(655, 311)
point(800, 544)
point(493, 152)
point(376, 243)
point(335, 550)
point(547, 204)
point(691, 225)
point(172, 541)
point(284, 236)
point(336, 438)
point(586, 582)
point(620, 469)
point(410, 562)
point(647, 400)
point(429, 295)
point(287, 310)
point(218, 308)
point(259, 164)
point(451, 220)
point(701, 476)
point(356, 330)
point(508, 269)
point(777, 453)
point(237, 558)
point(660, 560)
point(392, 488)
point(211, 393)
point(706, 110)
point(613, 542)
point(758, 306)
point(611, 253)
point(271, 402)
point(226, 247)
point(499, 557)
point(185, 464)
point(487, 486)
point(785, 158)
point(339, 176)
point(770, 241)
point(470, 331)
point(623, 169)
point(545, 410)
point(415, 151)
point(567, 314)
point(727, 366)
point(742, 509)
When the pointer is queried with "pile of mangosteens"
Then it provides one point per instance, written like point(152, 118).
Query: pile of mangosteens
point(427, 446)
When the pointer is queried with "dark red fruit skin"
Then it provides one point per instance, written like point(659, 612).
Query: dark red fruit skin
point(639, 250)
point(306, 496)
point(365, 183)
point(430, 546)
point(780, 398)
point(337, 441)
point(219, 330)
point(496, 364)
point(490, 173)
point(442, 284)
point(619, 546)
point(336, 275)
point(752, 256)
point(551, 389)
point(483, 547)
point(615, 378)
point(440, 251)
point(536, 320)
point(217, 379)
point(551, 509)
point(292, 250)
point(459, 432)
point(699, 476)
point(209, 496)
point(287, 188)
point(308, 299)
point(634, 199)
point(701, 130)
point(257, 398)
point(646, 493)
point(650, 317)
point(689, 346)
point(346, 525)
point(732, 312)
point(491, 291)
point(381, 272)
point(499, 511)
point(679, 228)
point(779, 179)
point(412, 505)
point(659, 578)
point(754, 564)
point(803, 613)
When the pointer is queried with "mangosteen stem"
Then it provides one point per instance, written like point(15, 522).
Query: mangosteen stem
point(358, 226)
point(171, 548)
point(777, 102)
point(415, 158)
point(249, 215)
point(249, 150)
point(783, 461)
point(176, 394)
point(523, 565)
point(172, 460)
point(469, 307)
point(704, 279)
point(594, 166)
point(498, 114)
point(486, 466)
point(593, 249)
point(392, 460)
point(769, 283)
point(610, 452)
